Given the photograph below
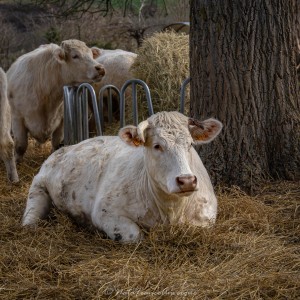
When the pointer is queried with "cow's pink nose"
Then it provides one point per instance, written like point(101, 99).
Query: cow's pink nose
point(100, 70)
point(187, 183)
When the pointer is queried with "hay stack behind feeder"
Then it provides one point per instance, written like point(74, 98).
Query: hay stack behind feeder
point(163, 63)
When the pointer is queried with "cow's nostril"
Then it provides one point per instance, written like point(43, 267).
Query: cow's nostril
point(195, 181)
point(100, 69)
point(179, 181)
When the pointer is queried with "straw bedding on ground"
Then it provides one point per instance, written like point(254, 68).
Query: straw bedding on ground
point(251, 253)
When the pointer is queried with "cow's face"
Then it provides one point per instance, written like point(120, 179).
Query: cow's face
point(169, 154)
point(78, 62)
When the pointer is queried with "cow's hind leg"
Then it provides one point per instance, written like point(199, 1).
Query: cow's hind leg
point(38, 203)
point(118, 228)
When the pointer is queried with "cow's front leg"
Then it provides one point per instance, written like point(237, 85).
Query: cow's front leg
point(7, 155)
point(20, 134)
point(118, 228)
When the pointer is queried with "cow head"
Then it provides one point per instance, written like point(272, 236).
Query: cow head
point(78, 62)
point(169, 156)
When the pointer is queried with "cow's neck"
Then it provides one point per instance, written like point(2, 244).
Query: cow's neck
point(170, 207)
point(52, 86)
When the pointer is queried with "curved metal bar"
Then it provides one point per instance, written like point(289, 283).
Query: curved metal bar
point(88, 87)
point(182, 93)
point(69, 136)
point(109, 88)
point(134, 83)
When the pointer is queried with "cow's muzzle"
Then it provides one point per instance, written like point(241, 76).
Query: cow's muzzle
point(100, 69)
point(100, 72)
point(187, 183)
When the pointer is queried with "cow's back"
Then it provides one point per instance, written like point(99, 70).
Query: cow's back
point(73, 175)
point(32, 76)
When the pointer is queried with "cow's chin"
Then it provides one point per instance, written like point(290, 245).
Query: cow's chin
point(181, 194)
point(97, 78)
point(184, 194)
point(79, 83)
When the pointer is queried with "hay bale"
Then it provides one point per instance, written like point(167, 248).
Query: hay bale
point(163, 63)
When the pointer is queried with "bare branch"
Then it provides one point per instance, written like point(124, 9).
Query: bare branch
point(74, 9)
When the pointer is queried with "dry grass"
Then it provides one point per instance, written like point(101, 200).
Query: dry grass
point(163, 63)
point(251, 253)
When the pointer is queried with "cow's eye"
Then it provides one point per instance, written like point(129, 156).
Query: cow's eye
point(75, 56)
point(157, 147)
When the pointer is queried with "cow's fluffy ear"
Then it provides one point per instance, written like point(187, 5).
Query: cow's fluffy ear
point(134, 136)
point(204, 132)
point(129, 135)
point(96, 52)
point(60, 55)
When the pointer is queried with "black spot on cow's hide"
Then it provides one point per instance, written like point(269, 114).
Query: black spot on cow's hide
point(118, 237)
point(73, 195)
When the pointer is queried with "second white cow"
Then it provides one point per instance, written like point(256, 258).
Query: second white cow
point(149, 175)
point(117, 64)
point(35, 89)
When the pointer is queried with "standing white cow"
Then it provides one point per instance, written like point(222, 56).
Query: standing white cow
point(35, 89)
point(155, 177)
point(117, 64)
point(6, 141)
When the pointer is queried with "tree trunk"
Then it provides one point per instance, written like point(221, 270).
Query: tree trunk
point(243, 70)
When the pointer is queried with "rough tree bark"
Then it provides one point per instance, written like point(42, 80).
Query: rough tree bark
point(243, 70)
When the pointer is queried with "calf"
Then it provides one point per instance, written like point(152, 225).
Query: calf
point(6, 141)
point(35, 89)
point(149, 175)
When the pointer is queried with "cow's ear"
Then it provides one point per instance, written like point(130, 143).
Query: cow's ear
point(96, 52)
point(204, 132)
point(130, 136)
point(60, 55)
point(134, 136)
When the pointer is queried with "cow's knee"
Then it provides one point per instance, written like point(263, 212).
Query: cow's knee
point(37, 207)
point(119, 228)
point(130, 233)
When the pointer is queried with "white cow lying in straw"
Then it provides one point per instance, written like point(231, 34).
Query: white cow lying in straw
point(148, 175)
